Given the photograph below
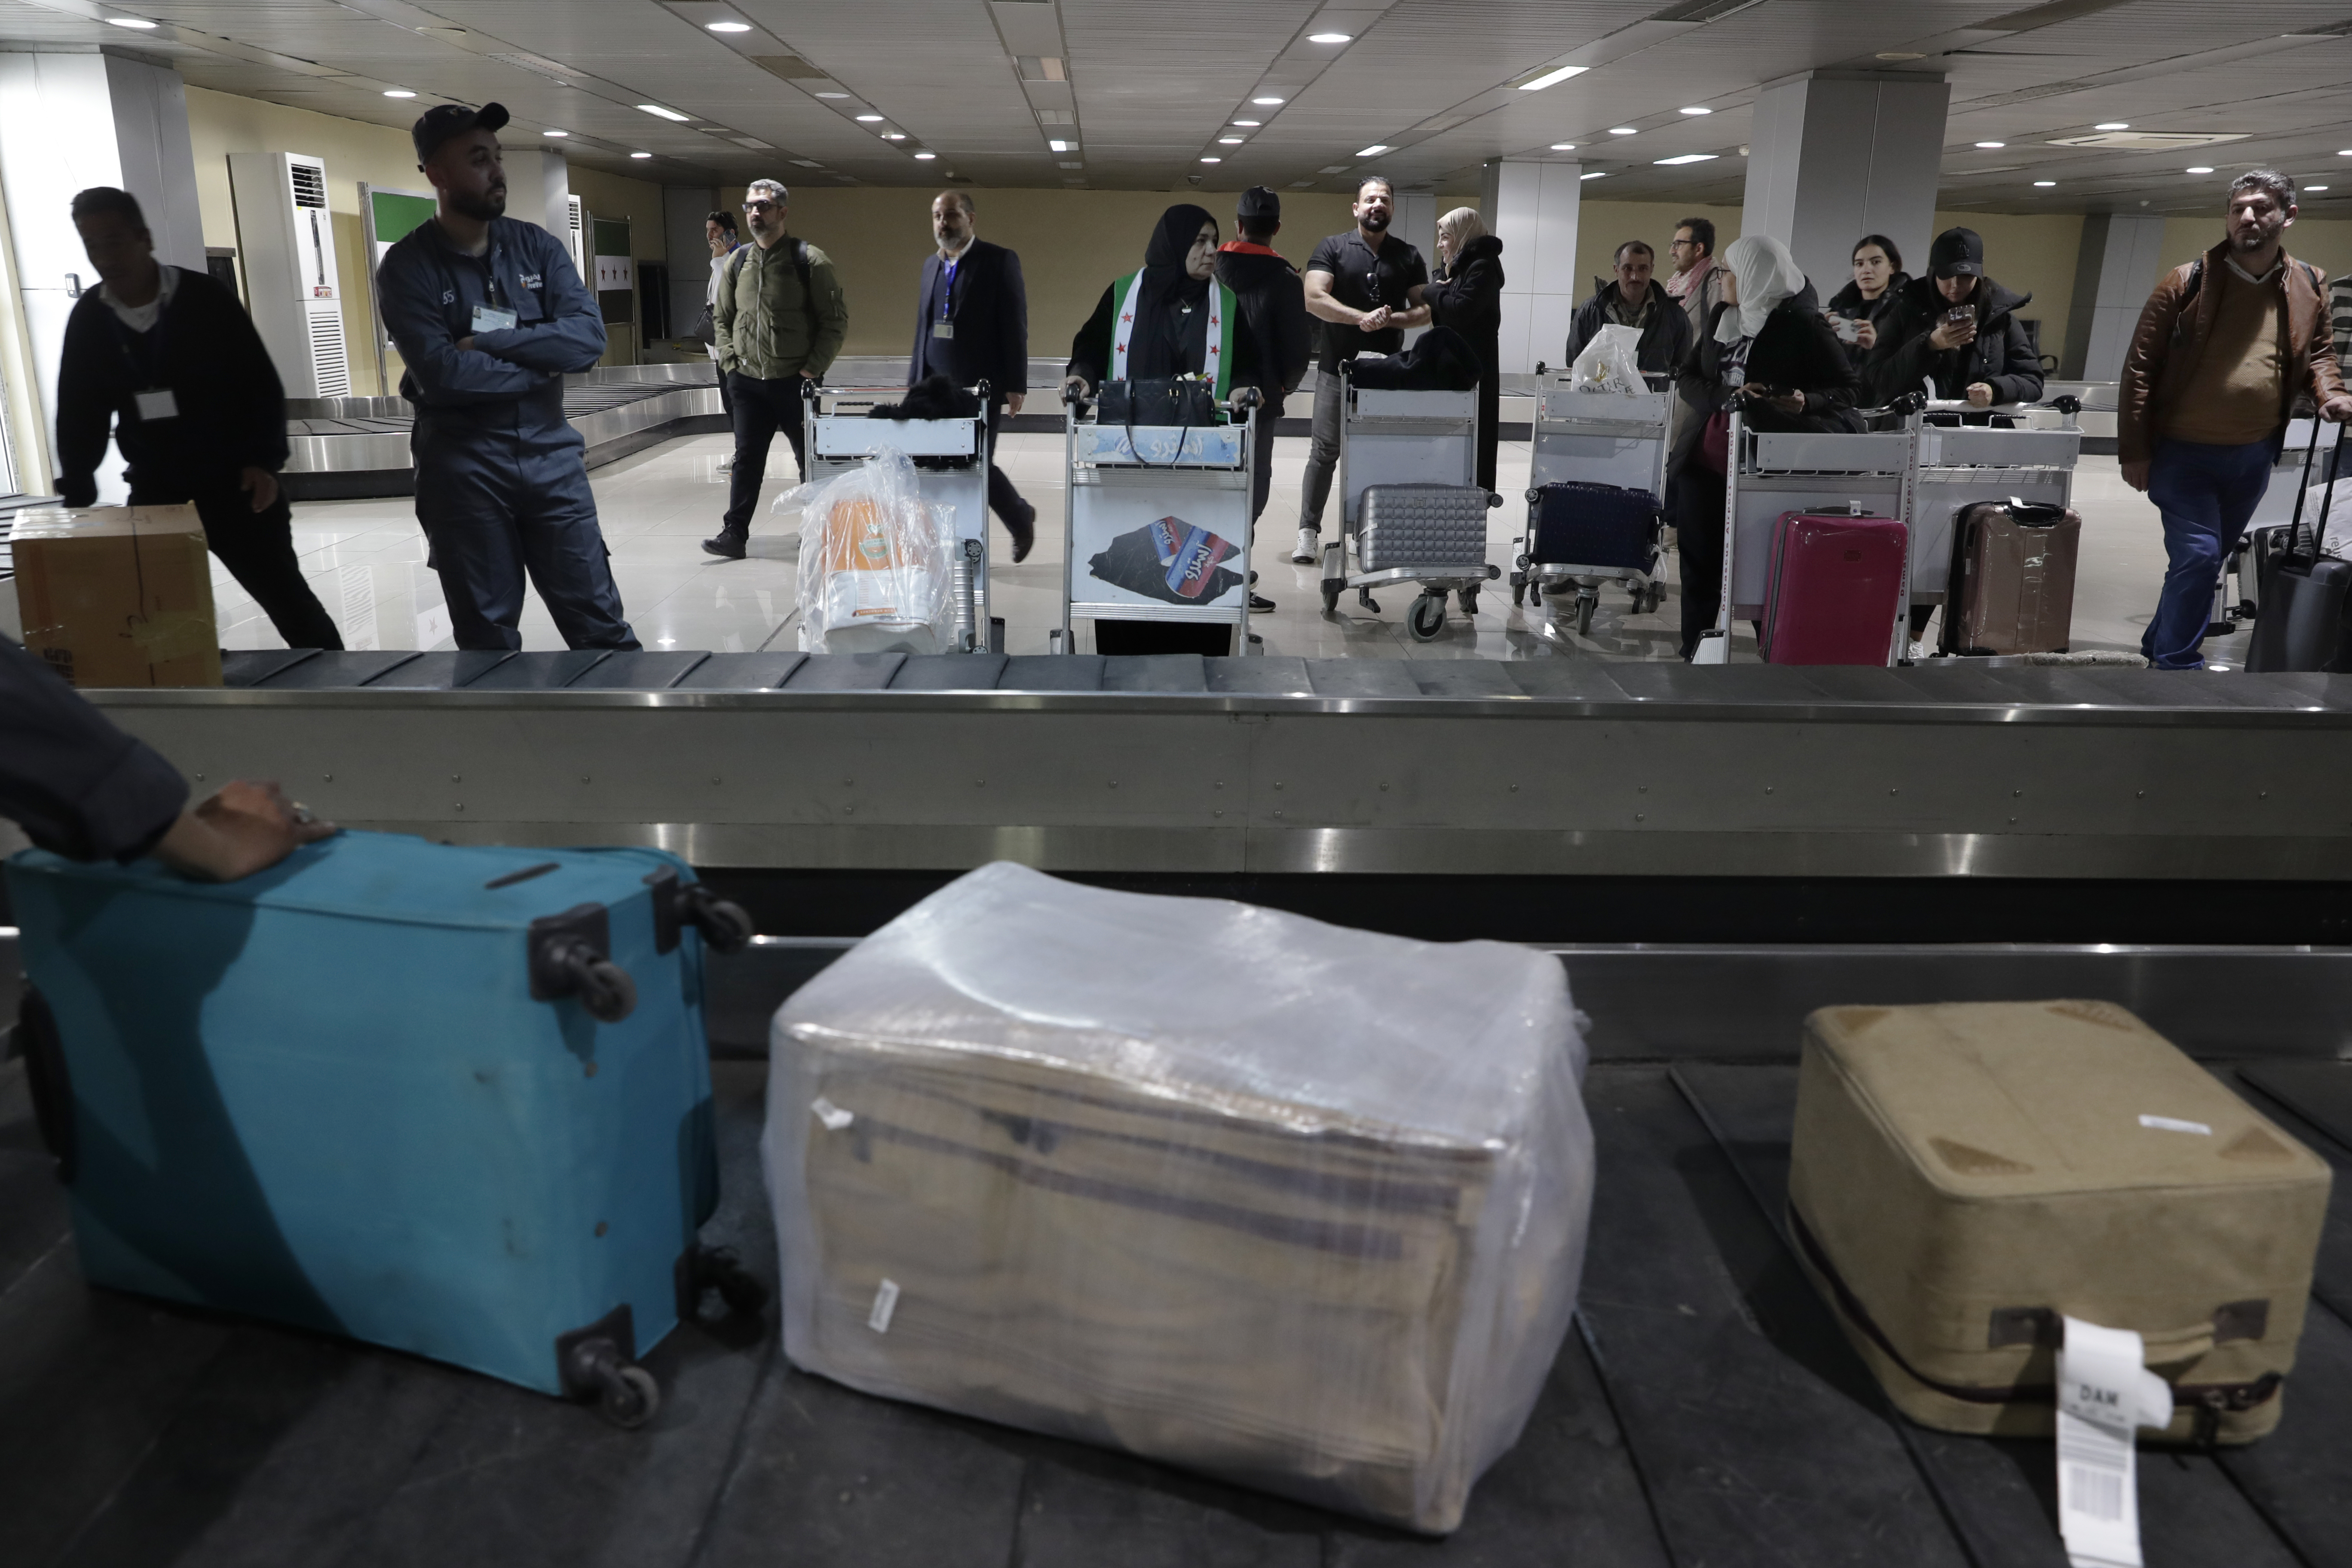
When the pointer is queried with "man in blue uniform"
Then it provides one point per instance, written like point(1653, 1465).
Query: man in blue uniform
point(489, 315)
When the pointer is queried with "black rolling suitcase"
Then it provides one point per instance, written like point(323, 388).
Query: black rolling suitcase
point(2300, 622)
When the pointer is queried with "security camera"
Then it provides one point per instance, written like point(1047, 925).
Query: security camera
point(1192, 179)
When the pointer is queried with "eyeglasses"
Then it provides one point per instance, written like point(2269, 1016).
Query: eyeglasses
point(762, 204)
point(1682, 245)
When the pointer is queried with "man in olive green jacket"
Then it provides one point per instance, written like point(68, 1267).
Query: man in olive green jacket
point(780, 319)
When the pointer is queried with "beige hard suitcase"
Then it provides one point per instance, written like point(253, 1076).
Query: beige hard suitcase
point(1965, 1175)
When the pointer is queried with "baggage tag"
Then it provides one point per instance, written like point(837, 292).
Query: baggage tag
point(490, 318)
point(942, 329)
point(2105, 1392)
point(157, 404)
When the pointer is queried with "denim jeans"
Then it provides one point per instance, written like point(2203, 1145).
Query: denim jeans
point(2205, 494)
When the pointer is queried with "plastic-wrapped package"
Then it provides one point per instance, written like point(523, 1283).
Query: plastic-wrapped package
point(1297, 1207)
point(1611, 362)
point(876, 562)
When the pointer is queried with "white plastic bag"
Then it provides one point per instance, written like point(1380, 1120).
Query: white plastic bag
point(876, 572)
point(1611, 362)
point(1295, 1206)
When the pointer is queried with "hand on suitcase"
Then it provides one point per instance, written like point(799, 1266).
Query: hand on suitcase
point(246, 828)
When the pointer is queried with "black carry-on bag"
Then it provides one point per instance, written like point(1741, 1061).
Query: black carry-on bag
point(2300, 622)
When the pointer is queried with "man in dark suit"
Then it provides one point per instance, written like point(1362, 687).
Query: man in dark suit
point(971, 324)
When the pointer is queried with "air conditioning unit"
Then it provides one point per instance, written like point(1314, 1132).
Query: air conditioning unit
point(291, 286)
point(575, 236)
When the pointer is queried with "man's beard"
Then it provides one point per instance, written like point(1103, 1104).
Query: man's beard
point(1376, 220)
point(490, 204)
point(2253, 238)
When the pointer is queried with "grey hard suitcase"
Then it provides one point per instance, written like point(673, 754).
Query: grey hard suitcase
point(1422, 525)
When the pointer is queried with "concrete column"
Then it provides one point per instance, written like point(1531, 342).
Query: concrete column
point(1835, 155)
point(1532, 207)
point(2117, 267)
point(539, 188)
point(68, 121)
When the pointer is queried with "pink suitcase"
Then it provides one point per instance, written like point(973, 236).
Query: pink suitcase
point(1836, 585)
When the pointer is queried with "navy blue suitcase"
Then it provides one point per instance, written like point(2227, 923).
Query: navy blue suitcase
point(454, 1100)
point(1602, 526)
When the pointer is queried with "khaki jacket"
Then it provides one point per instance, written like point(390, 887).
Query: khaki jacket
point(764, 325)
point(2172, 338)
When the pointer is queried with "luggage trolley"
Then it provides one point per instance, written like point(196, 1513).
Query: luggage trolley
point(1156, 521)
point(2032, 459)
point(951, 469)
point(1405, 438)
point(1871, 474)
point(1601, 438)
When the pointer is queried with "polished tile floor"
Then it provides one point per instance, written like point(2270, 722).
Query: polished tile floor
point(366, 559)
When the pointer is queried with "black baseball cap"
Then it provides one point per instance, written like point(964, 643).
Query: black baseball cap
point(443, 121)
point(1956, 253)
point(1260, 203)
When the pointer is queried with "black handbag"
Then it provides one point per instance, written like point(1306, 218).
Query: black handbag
point(1175, 402)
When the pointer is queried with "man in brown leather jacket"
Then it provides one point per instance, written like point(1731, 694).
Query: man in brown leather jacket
point(2224, 346)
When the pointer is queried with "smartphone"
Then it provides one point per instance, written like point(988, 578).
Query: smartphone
point(1959, 313)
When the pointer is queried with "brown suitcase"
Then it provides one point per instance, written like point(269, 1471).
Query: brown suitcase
point(2012, 584)
point(1963, 1174)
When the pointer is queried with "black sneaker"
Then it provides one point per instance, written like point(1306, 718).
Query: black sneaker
point(727, 543)
point(1260, 604)
point(1023, 532)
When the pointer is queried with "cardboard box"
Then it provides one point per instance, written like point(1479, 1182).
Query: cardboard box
point(119, 595)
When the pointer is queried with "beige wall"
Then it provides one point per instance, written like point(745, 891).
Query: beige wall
point(220, 123)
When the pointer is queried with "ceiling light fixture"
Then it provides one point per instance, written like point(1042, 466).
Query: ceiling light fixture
point(1061, 146)
point(1899, 55)
point(1251, 124)
point(1686, 158)
point(833, 95)
point(868, 117)
point(398, 92)
point(1374, 150)
point(1694, 108)
point(1229, 140)
point(1621, 131)
point(2112, 125)
point(1563, 146)
point(925, 157)
point(729, 26)
point(142, 23)
point(1266, 102)
point(555, 133)
point(2309, 188)
point(1993, 146)
point(641, 155)
point(1321, 38)
point(670, 114)
point(1212, 160)
point(1597, 174)
point(894, 136)
point(1552, 79)
point(2199, 169)
point(2045, 183)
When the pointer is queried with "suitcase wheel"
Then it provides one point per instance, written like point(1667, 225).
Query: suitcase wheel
point(726, 926)
point(630, 1396)
point(1331, 597)
point(1427, 617)
point(597, 1364)
point(606, 990)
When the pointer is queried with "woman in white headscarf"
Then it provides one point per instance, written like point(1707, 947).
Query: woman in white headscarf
point(1767, 351)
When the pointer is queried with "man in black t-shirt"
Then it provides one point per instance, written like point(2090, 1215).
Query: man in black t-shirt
point(1357, 284)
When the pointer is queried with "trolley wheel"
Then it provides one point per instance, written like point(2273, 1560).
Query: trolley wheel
point(1469, 597)
point(1330, 598)
point(1587, 601)
point(1427, 617)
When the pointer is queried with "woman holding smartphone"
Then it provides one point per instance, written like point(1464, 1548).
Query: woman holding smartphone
point(1853, 311)
point(1956, 328)
point(1769, 356)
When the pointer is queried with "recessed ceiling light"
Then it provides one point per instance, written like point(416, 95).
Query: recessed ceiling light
point(2112, 125)
point(1992, 144)
point(1311, 38)
point(2346, 153)
point(1212, 160)
point(1059, 146)
point(1229, 140)
point(1597, 174)
point(142, 23)
point(641, 155)
point(1266, 102)
point(1252, 123)
point(2045, 183)
point(729, 26)
point(2200, 169)
point(2309, 188)
point(1563, 146)
point(1694, 108)
point(555, 133)
point(833, 95)
point(1551, 79)
point(894, 136)
point(1686, 158)
point(1374, 150)
point(925, 157)
point(1621, 130)
point(655, 109)
point(869, 116)
point(398, 92)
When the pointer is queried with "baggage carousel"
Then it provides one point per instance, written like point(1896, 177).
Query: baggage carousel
point(341, 448)
point(1705, 1411)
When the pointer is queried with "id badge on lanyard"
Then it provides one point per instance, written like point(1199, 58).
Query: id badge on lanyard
point(156, 402)
point(490, 317)
point(943, 326)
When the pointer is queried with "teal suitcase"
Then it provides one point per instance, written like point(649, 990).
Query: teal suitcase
point(452, 1101)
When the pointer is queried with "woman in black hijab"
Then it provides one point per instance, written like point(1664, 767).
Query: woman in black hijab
point(1177, 318)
